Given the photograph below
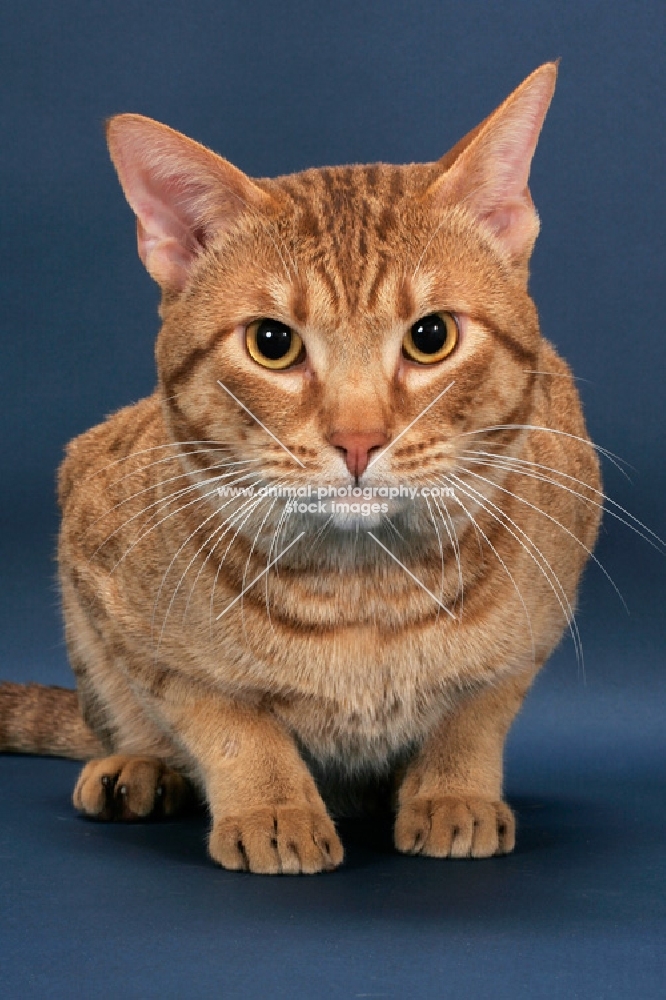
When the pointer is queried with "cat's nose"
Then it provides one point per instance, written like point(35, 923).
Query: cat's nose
point(357, 446)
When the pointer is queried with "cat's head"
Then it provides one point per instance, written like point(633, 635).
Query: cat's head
point(348, 326)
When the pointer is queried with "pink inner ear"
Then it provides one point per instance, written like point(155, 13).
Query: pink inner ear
point(170, 232)
point(180, 191)
point(489, 176)
point(166, 259)
point(515, 225)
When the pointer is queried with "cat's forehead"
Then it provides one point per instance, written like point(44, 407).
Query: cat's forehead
point(335, 199)
point(354, 229)
point(366, 179)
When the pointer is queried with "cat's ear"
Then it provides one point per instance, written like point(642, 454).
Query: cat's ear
point(487, 171)
point(181, 194)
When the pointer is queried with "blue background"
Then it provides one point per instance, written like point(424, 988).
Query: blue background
point(580, 909)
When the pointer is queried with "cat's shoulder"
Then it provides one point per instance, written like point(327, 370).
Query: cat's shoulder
point(103, 447)
point(558, 408)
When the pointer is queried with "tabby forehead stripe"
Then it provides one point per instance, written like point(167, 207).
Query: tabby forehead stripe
point(366, 220)
point(380, 274)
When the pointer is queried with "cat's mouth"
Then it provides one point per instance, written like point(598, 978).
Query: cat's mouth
point(323, 510)
point(346, 507)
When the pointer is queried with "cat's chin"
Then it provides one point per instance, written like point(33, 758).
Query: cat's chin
point(356, 522)
point(357, 515)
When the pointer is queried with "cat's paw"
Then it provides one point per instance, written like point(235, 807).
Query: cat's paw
point(450, 827)
point(277, 840)
point(129, 788)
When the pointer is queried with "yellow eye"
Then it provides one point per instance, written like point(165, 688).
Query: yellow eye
point(273, 344)
point(431, 339)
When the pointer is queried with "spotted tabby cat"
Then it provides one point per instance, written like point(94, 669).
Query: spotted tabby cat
point(331, 551)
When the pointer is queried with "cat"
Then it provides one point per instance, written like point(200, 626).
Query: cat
point(330, 553)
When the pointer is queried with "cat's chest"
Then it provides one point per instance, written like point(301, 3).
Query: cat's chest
point(364, 729)
point(363, 702)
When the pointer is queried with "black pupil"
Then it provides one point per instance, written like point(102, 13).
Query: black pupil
point(429, 334)
point(273, 339)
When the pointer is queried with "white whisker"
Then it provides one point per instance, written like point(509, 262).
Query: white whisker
point(247, 565)
point(497, 459)
point(450, 527)
point(225, 527)
point(145, 451)
point(320, 533)
point(412, 576)
point(164, 502)
point(427, 247)
point(157, 485)
point(615, 459)
point(589, 552)
point(220, 565)
point(173, 513)
point(393, 527)
point(577, 378)
point(441, 549)
point(480, 530)
point(282, 520)
point(259, 576)
point(177, 458)
point(252, 503)
point(561, 596)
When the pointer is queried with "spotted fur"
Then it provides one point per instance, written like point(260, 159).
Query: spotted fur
point(346, 666)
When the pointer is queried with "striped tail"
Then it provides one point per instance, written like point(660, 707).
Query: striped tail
point(44, 720)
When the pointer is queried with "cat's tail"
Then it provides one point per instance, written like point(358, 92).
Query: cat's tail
point(44, 720)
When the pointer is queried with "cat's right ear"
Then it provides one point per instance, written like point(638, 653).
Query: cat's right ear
point(181, 193)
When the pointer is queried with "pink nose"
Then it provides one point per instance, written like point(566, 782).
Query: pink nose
point(357, 447)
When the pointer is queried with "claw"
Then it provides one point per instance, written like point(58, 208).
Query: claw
point(128, 788)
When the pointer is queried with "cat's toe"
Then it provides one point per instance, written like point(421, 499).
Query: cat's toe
point(451, 827)
point(279, 840)
point(128, 788)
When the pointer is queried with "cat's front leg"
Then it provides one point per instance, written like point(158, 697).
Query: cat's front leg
point(450, 799)
point(268, 816)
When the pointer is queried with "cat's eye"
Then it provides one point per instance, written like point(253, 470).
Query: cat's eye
point(273, 344)
point(431, 338)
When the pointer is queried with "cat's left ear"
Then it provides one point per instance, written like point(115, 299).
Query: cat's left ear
point(488, 170)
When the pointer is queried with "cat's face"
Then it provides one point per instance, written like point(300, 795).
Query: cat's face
point(343, 327)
